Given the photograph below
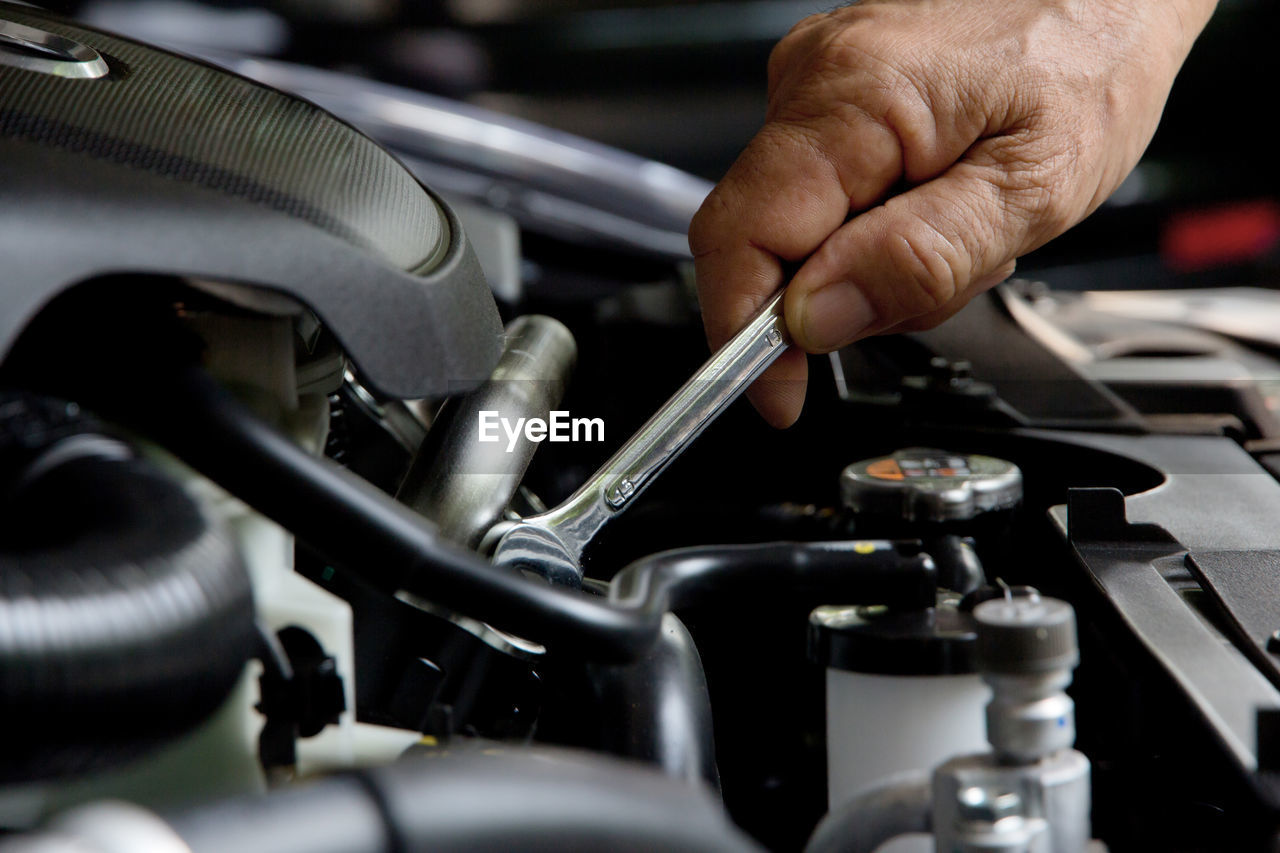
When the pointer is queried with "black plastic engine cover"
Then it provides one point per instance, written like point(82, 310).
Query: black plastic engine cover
point(148, 162)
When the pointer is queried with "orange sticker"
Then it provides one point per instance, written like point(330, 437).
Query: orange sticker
point(885, 469)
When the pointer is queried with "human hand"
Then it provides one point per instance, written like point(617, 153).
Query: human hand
point(999, 124)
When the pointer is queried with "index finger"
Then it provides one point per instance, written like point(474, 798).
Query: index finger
point(782, 198)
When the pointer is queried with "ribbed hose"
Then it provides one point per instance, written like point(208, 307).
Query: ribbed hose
point(126, 616)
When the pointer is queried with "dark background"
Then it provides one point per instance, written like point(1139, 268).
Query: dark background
point(683, 82)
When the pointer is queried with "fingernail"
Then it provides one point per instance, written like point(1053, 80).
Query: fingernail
point(834, 315)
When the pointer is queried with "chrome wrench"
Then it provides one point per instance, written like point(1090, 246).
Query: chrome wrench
point(551, 543)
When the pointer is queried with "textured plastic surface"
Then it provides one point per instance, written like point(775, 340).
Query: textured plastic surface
point(195, 124)
point(173, 167)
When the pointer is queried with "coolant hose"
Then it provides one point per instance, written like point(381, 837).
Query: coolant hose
point(844, 572)
point(126, 615)
point(658, 709)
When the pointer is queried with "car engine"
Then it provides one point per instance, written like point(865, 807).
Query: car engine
point(337, 517)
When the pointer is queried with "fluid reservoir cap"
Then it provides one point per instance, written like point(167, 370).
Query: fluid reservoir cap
point(924, 484)
point(941, 640)
point(1026, 635)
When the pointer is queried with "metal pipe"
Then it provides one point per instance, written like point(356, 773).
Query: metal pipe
point(462, 484)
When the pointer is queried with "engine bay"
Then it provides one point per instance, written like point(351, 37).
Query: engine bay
point(1009, 582)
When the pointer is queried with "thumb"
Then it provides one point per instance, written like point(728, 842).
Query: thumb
point(926, 252)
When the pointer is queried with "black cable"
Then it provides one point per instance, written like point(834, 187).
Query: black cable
point(361, 529)
point(153, 385)
point(352, 524)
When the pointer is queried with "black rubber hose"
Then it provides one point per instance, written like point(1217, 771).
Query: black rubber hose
point(357, 527)
point(483, 797)
point(845, 572)
point(658, 709)
point(155, 387)
point(361, 529)
point(490, 798)
point(126, 616)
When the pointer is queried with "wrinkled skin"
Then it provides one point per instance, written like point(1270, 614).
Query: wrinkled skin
point(914, 149)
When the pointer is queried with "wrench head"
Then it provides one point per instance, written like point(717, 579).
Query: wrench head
point(535, 550)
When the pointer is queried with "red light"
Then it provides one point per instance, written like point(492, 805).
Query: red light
point(1236, 234)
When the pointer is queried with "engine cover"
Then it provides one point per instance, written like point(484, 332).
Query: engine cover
point(118, 158)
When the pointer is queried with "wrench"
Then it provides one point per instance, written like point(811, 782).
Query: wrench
point(551, 543)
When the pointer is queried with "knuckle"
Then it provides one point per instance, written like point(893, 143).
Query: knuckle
point(851, 59)
point(1034, 182)
point(809, 140)
point(927, 269)
point(794, 46)
point(851, 84)
point(781, 196)
point(708, 223)
point(779, 59)
point(784, 52)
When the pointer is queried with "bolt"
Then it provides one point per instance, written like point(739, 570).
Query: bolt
point(774, 337)
point(621, 493)
point(987, 805)
point(945, 373)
